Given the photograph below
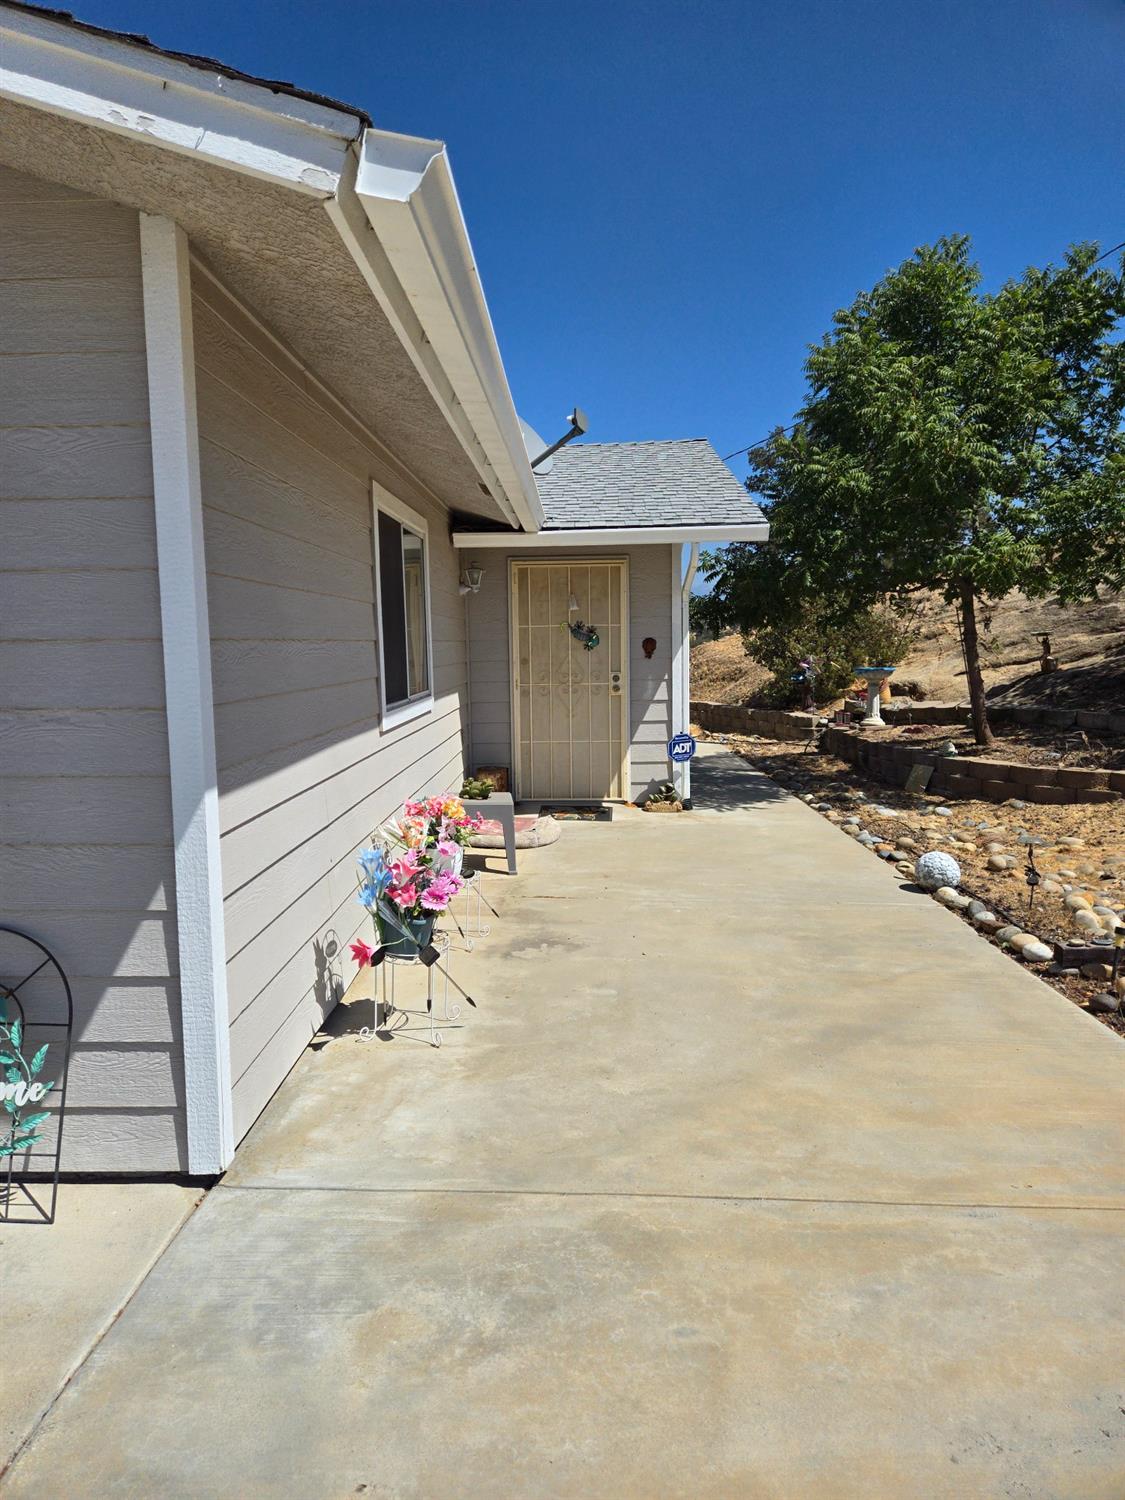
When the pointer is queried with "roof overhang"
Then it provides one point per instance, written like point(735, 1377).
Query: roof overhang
point(408, 195)
point(417, 263)
point(634, 536)
point(129, 90)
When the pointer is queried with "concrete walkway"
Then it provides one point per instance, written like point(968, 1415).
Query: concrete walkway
point(753, 1175)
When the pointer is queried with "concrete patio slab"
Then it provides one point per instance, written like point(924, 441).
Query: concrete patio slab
point(743, 1005)
point(753, 1174)
point(501, 1346)
point(65, 1283)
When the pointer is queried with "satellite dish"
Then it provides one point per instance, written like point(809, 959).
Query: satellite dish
point(534, 445)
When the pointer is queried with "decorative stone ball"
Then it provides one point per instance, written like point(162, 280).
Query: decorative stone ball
point(936, 869)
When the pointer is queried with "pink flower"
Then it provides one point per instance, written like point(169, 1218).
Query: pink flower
point(447, 848)
point(405, 868)
point(363, 953)
point(414, 809)
point(404, 896)
point(441, 891)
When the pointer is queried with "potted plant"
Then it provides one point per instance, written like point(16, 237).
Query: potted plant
point(414, 875)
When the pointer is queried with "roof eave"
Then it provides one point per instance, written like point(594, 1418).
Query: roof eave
point(418, 263)
point(407, 193)
point(123, 88)
point(622, 536)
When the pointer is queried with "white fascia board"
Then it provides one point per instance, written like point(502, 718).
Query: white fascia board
point(409, 197)
point(635, 536)
point(124, 89)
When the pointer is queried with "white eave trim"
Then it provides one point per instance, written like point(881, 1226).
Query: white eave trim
point(119, 87)
point(634, 536)
point(407, 192)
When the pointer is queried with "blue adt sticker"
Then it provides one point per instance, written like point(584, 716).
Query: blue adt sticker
point(681, 747)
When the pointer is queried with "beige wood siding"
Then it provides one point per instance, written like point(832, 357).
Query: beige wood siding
point(652, 576)
point(85, 812)
point(305, 772)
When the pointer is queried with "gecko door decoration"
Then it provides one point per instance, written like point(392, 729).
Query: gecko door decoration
point(36, 1021)
point(586, 636)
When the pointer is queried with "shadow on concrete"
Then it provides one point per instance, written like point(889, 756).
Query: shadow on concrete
point(726, 783)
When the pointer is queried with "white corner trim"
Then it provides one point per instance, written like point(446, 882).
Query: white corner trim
point(117, 86)
point(626, 536)
point(188, 695)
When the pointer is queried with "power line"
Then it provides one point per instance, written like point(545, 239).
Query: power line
point(738, 451)
point(761, 440)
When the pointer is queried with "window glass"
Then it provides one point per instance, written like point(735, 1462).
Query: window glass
point(403, 612)
point(392, 611)
point(414, 588)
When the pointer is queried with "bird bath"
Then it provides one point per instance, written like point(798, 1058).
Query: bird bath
point(874, 677)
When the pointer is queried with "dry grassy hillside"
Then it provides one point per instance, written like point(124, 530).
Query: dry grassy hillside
point(1088, 640)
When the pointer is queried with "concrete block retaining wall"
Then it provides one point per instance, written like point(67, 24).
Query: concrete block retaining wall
point(903, 711)
point(773, 723)
point(972, 776)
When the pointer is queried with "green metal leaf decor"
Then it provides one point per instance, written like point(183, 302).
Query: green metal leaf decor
point(21, 1088)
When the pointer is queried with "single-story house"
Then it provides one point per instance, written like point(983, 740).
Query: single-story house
point(275, 557)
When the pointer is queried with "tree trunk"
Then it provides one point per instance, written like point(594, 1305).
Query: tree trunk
point(981, 732)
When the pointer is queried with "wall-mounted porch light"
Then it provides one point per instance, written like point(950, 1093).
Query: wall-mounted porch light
point(471, 578)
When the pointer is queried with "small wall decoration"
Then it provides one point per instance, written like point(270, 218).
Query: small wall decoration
point(586, 635)
point(36, 1019)
point(648, 646)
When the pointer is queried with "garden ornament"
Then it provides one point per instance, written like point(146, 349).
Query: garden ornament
point(935, 869)
point(586, 635)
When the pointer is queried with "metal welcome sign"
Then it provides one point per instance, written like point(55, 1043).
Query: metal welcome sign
point(36, 1021)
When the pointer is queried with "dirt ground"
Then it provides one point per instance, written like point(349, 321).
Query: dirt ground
point(1088, 641)
point(1027, 745)
point(1091, 863)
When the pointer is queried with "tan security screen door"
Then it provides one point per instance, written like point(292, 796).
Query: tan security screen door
point(569, 704)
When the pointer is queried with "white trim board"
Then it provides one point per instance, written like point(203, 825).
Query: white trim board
point(627, 536)
point(165, 272)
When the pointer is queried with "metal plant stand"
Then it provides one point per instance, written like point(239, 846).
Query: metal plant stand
point(475, 903)
point(392, 1019)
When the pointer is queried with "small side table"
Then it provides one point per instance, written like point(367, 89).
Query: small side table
point(499, 808)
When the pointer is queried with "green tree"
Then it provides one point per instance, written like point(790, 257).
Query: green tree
point(952, 440)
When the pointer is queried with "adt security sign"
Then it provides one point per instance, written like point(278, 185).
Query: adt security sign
point(681, 747)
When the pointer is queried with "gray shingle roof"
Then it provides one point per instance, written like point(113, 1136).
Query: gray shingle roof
point(683, 483)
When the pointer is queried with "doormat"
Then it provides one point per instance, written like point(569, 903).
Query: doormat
point(492, 827)
point(578, 814)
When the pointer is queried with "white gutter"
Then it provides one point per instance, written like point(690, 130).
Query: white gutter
point(625, 536)
point(681, 669)
point(407, 193)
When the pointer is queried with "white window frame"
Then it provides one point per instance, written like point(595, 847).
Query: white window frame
point(391, 715)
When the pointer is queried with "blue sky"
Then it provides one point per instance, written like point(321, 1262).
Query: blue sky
point(669, 200)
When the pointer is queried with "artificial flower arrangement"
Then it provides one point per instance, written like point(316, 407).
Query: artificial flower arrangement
point(414, 875)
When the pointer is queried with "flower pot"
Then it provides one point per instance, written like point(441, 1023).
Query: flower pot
point(416, 934)
point(452, 863)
